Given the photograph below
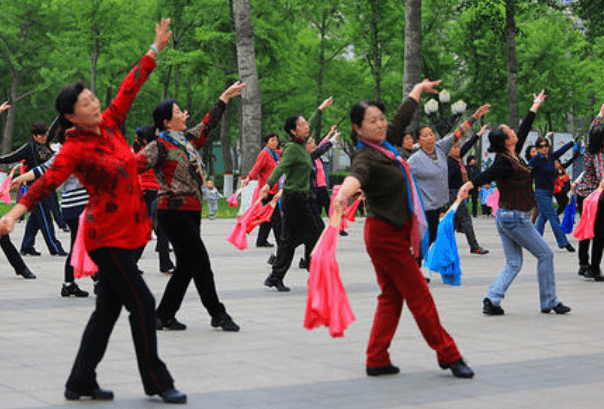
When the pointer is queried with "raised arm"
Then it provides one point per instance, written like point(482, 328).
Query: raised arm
point(527, 122)
point(199, 134)
point(404, 114)
point(115, 114)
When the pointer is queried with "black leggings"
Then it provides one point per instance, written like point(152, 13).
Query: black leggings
point(597, 246)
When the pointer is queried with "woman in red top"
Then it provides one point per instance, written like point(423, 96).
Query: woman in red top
point(265, 163)
point(116, 224)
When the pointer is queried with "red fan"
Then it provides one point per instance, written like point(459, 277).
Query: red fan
point(327, 303)
point(352, 209)
point(237, 236)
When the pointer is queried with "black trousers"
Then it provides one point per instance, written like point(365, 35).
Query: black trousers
point(55, 210)
point(433, 217)
point(474, 200)
point(13, 256)
point(323, 199)
point(274, 223)
point(119, 285)
point(562, 200)
point(73, 224)
point(192, 262)
point(597, 243)
point(299, 227)
point(163, 245)
point(40, 219)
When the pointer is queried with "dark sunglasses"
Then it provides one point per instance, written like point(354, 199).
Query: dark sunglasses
point(543, 146)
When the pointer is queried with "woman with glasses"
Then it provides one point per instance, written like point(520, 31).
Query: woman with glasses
point(544, 174)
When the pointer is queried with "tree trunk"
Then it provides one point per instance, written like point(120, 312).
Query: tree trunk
point(413, 51)
point(250, 97)
point(7, 139)
point(510, 35)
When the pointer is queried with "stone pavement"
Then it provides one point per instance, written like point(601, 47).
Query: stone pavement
point(523, 359)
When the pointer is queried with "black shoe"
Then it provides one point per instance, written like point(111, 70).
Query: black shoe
point(271, 259)
point(382, 370)
point(73, 289)
point(427, 280)
point(172, 395)
point(303, 263)
point(60, 253)
point(278, 284)
point(65, 229)
point(343, 233)
point(30, 252)
point(96, 393)
point(171, 324)
point(459, 368)
point(27, 274)
point(569, 247)
point(225, 322)
point(265, 244)
point(582, 269)
point(489, 308)
point(558, 309)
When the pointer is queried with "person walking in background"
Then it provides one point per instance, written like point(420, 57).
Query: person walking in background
point(562, 182)
point(212, 195)
point(486, 190)
point(514, 181)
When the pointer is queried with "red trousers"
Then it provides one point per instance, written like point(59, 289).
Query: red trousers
point(400, 279)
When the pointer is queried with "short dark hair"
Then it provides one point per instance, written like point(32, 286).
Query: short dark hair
point(595, 144)
point(65, 103)
point(290, 124)
point(38, 128)
point(497, 138)
point(470, 158)
point(163, 111)
point(527, 152)
point(144, 135)
point(268, 136)
point(357, 114)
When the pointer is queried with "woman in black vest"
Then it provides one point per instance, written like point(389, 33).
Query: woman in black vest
point(516, 201)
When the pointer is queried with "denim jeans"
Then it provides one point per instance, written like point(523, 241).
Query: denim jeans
point(517, 231)
point(547, 212)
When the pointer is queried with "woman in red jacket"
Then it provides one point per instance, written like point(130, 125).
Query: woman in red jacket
point(116, 224)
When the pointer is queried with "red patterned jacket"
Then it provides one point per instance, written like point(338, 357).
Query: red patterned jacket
point(105, 165)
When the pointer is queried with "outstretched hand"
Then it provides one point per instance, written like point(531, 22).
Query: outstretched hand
point(424, 86)
point(481, 111)
point(538, 100)
point(232, 91)
point(4, 106)
point(162, 34)
point(483, 129)
point(326, 103)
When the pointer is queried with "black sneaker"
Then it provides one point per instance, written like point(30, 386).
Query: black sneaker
point(30, 252)
point(172, 395)
point(27, 274)
point(303, 264)
point(459, 368)
point(582, 269)
point(558, 309)
point(70, 289)
point(489, 308)
point(343, 233)
point(95, 394)
point(225, 322)
point(569, 247)
point(172, 324)
point(265, 244)
point(271, 259)
point(278, 284)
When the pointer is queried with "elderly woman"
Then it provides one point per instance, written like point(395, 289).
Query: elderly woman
point(385, 179)
point(178, 169)
point(516, 200)
point(430, 167)
point(116, 224)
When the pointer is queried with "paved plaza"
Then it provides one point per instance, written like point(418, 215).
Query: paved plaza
point(523, 359)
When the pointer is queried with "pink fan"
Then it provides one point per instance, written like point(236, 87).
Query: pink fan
point(327, 303)
point(260, 216)
point(352, 209)
point(237, 236)
point(493, 201)
point(5, 190)
point(83, 266)
point(585, 228)
point(232, 201)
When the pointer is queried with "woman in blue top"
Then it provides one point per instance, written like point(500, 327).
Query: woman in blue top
point(545, 173)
